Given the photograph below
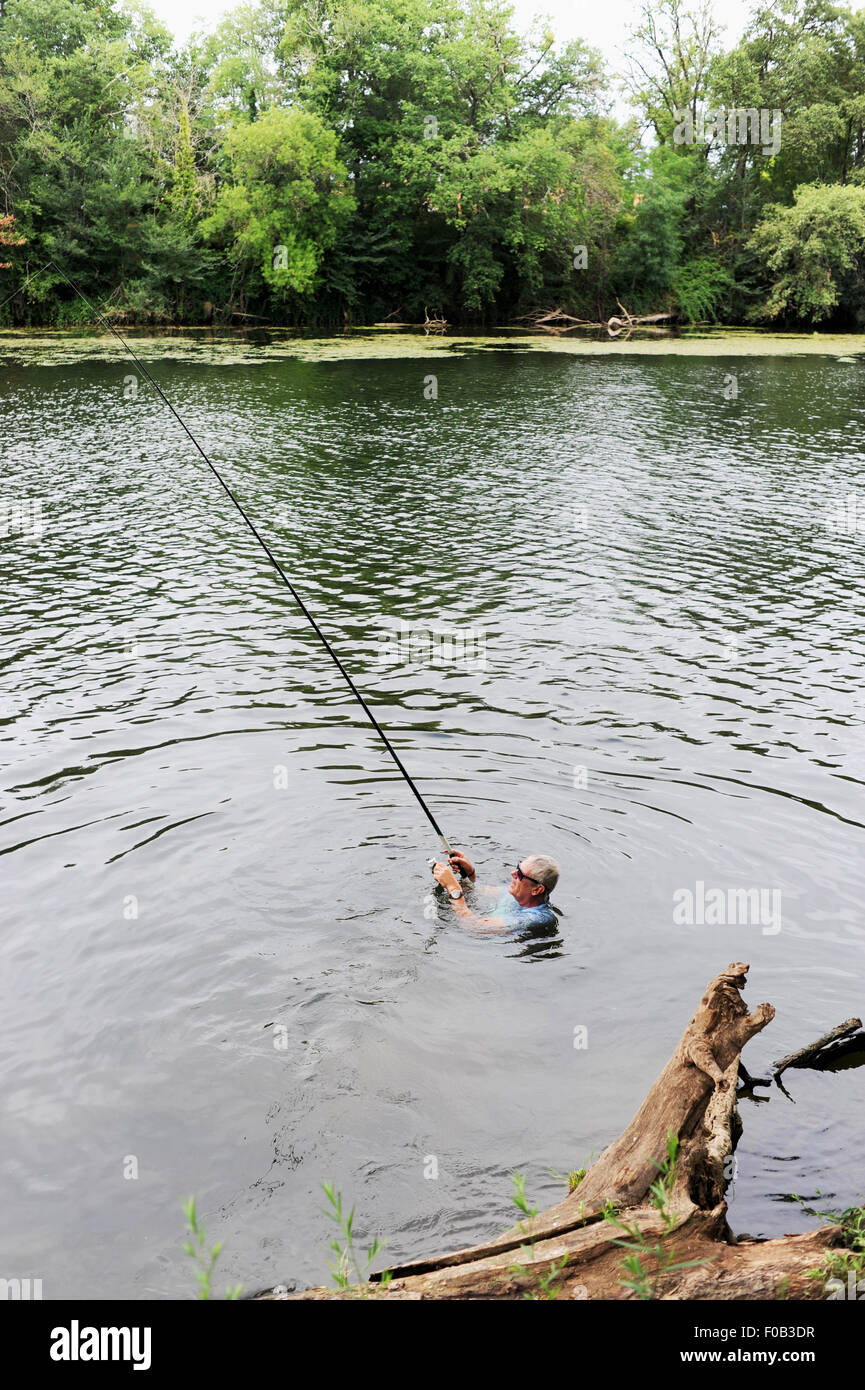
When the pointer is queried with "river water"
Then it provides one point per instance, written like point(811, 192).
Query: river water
point(600, 602)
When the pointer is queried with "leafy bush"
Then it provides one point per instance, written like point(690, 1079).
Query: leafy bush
point(814, 253)
point(703, 289)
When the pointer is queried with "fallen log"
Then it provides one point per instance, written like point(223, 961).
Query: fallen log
point(804, 1056)
point(847, 1037)
point(631, 321)
point(673, 1212)
point(558, 321)
point(559, 316)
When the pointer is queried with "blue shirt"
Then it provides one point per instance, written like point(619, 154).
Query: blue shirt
point(507, 907)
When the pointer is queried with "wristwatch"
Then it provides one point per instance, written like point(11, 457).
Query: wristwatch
point(455, 892)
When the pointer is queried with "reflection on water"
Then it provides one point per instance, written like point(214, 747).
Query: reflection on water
point(538, 943)
point(216, 949)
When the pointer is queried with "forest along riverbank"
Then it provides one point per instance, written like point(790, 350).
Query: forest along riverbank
point(421, 159)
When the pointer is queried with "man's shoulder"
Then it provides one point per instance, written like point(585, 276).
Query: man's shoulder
point(542, 915)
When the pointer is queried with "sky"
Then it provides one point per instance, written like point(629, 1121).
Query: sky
point(602, 23)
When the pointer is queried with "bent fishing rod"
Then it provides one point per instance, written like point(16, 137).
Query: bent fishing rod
point(270, 555)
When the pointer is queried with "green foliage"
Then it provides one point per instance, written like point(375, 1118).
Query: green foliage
point(573, 1179)
point(346, 1269)
point(543, 1285)
point(195, 1248)
point(519, 1199)
point(814, 252)
point(650, 1262)
point(803, 58)
point(651, 248)
point(315, 161)
point(284, 202)
point(670, 68)
point(184, 189)
point(850, 1257)
point(703, 289)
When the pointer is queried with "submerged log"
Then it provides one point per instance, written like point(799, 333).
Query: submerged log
point(693, 1101)
point(556, 321)
point(848, 1037)
point(631, 321)
point(436, 322)
point(432, 325)
point(807, 1056)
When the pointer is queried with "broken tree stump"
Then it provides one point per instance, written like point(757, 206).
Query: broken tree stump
point(705, 1061)
point(694, 1099)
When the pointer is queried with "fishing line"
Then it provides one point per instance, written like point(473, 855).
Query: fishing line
point(271, 557)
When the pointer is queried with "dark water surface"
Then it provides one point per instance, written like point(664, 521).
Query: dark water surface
point(232, 974)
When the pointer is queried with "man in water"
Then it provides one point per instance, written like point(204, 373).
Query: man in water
point(525, 902)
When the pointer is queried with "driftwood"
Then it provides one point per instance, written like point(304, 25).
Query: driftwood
point(807, 1056)
point(695, 1098)
point(559, 316)
point(431, 325)
point(848, 1037)
point(557, 321)
point(434, 325)
point(629, 322)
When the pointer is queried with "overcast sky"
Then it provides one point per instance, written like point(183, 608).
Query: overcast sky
point(602, 23)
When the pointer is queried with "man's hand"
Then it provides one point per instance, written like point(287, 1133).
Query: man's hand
point(462, 864)
point(444, 874)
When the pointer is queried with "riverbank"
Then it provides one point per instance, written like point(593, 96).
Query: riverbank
point(662, 1186)
point(241, 346)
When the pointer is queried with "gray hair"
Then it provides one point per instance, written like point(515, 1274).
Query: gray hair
point(544, 869)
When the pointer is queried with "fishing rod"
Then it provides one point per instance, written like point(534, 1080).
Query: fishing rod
point(271, 557)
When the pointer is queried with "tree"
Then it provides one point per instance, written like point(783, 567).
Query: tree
point(283, 205)
point(72, 168)
point(428, 97)
point(240, 57)
point(650, 250)
point(814, 254)
point(326, 159)
point(669, 72)
point(806, 60)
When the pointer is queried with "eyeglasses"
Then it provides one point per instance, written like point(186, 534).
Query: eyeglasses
point(520, 875)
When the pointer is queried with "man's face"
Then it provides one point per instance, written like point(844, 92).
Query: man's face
point(526, 890)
